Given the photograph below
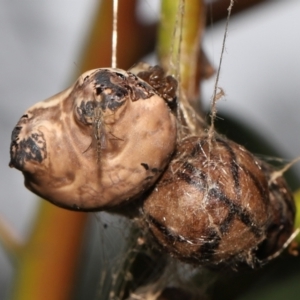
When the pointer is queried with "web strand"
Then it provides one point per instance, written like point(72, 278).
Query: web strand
point(279, 173)
point(114, 34)
point(215, 93)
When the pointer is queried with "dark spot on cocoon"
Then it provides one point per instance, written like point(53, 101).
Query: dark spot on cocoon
point(145, 166)
point(31, 149)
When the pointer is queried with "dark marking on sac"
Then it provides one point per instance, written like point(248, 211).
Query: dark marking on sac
point(211, 244)
point(104, 81)
point(207, 248)
point(31, 149)
point(197, 179)
point(190, 171)
point(15, 133)
point(169, 235)
point(145, 166)
point(194, 171)
point(153, 170)
point(115, 88)
point(99, 90)
point(263, 193)
point(85, 111)
point(224, 226)
point(198, 184)
point(112, 101)
point(234, 167)
point(237, 210)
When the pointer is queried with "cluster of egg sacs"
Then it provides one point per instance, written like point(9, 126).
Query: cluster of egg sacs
point(206, 200)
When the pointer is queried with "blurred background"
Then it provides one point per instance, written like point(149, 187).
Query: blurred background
point(41, 46)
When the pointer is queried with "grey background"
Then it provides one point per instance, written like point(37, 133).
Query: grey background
point(41, 42)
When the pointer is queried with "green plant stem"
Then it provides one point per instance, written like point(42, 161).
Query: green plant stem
point(186, 58)
point(47, 263)
point(297, 220)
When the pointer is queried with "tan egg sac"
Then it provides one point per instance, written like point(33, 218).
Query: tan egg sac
point(213, 207)
point(99, 143)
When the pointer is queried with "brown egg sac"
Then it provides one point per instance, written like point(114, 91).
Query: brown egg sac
point(212, 206)
point(96, 145)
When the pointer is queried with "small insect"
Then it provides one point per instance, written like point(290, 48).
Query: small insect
point(99, 131)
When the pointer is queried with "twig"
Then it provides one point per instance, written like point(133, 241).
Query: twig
point(10, 241)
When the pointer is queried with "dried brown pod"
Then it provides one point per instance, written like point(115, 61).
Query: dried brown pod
point(166, 85)
point(99, 143)
point(213, 207)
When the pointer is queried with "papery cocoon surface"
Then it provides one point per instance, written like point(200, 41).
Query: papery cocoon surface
point(96, 145)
